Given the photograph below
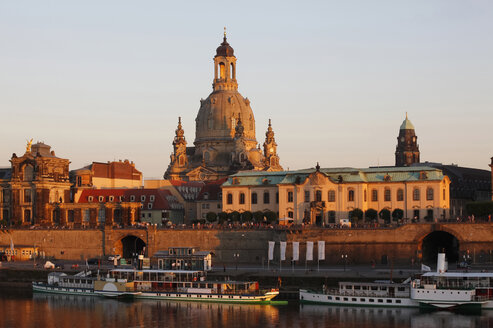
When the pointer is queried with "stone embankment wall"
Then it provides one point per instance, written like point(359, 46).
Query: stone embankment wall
point(361, 245)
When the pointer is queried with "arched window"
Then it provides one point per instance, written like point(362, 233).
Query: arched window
point(386, 195)
point(332, 196)
point(254, 198)
point(416, 195)
point(233, 72)
point(242, 198)
point(222, 71)
point(364, 195)
point(266, 197)
point(290, 196)
point(444, 193)
point(429, 194)
point(207, 156)
point(27, 215)
point(400, 195)
point(350, 194)
point(374, 195)
point(229, 198)
point(181, 160)
point(318, 195)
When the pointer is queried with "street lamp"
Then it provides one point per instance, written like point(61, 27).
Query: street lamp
point(236, 256)
point(344, 259)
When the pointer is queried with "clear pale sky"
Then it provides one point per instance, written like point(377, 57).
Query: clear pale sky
point(106, 80)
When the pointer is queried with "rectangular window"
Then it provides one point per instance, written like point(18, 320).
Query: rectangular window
point(290, 215)
point(307, 196)
point(86, 216)
point(374, 195)
point(277, 197)
point(386, 195)
point(27, 196)
point(254, 198)
point(290, 196)
point(332, 196)
point(266, 197)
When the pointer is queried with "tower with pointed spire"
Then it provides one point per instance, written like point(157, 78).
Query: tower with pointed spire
point(271, 160)
point(407, 150)
point(225, 139)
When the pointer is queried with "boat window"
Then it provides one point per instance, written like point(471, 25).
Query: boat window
point(380, 300)
point(374, 287)
point(346, 299)
point(364, 287)
point(349, 287)
point(398, 301)
point(353, 299)
point(362, 299)
point(357, 287)
point(401, 289)
point(389, 301)
point(338, 298)
point(329, 297)
point(371, 300)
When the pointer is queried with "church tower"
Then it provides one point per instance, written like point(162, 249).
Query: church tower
point(178, 159)
point(271, 160)
point(407, 150)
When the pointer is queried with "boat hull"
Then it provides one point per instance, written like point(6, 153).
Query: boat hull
point(190, 297)
point(351, 300)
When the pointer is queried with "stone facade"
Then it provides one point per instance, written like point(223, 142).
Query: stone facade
point(326, 196)
point(225, 141)
point(37, 179)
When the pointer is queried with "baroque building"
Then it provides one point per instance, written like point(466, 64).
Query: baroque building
point(407, 150)
point(325, 196)
point(225, 141)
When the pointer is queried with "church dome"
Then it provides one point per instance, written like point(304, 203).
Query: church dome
point(219, 114)
point(225, 49)
point(406, 124)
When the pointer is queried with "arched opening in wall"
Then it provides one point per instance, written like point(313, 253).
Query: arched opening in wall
point(439, 241)
point(222, 71)
point(233, 72)
point(132, 246)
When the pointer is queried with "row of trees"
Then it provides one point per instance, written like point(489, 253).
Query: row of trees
point(372, 215)
point(247, 216)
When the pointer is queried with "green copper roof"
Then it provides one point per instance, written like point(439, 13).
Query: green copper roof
point(407, 125)
point(337, 175)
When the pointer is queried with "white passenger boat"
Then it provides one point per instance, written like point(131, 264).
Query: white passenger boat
point(81, 283)
point(181, 274)
point(379, 293)
point(449, 290)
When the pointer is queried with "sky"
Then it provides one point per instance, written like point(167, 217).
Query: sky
point(107, 80)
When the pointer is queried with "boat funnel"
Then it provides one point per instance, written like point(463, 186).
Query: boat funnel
point(441, 263)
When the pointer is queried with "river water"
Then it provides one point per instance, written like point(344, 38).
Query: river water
point(45, 310)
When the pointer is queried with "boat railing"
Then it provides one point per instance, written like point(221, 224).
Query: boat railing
point(337, 292)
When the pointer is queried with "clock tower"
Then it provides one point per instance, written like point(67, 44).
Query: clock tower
point(407, 150)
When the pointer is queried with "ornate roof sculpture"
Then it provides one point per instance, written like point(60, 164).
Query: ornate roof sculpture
point(225, 141)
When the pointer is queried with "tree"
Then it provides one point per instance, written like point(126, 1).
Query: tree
point(371, 215)
point(397, 214)
point(211, 217)
point(356, 214)
point(258, 216)
point(246, 216)
point(385, 215)
point(270, 216)
point(223, 217)
point(234, 216)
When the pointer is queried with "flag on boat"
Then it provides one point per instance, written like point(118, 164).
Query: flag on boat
point(309, 250)
point(321, 250)
point(425, 268)
point(283, 251)
point(271, 250)
point(296, 250)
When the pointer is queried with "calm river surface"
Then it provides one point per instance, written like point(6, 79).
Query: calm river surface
point(43, 310)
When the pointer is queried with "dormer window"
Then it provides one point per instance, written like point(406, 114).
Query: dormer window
point(206, 196)
point(387, 178)
point(132, 198)
point(122, 198)
point(111, 198)
point(149, 206)
point(142, 198)
point(151, 198)
point(101, 199)
point(423, 175)
point(89, 199)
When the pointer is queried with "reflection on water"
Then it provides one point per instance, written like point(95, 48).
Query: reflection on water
point(45, 310)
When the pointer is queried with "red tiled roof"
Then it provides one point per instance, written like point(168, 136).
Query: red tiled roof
point(188, 189)
point(212, 188)
point(163, 199)
point(115, 170)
